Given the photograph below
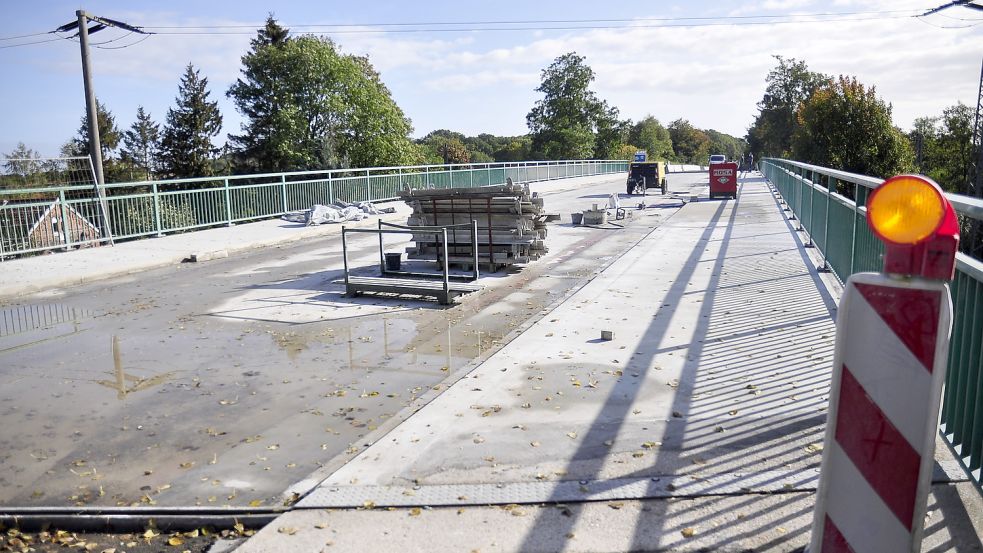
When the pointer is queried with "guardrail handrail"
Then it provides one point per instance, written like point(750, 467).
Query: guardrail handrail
point(48, 218)
point(837, 227)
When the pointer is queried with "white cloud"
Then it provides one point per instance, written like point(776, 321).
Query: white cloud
point(712, 75)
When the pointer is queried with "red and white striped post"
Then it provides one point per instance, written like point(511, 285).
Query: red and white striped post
point(892, 343)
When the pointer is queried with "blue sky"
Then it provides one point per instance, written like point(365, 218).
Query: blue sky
point(484, 81)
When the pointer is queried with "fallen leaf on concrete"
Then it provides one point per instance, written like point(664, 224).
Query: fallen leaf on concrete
point(256, 503)
point(814, 448)
point(175, 541)
point(534, 444)
point(288, 530)
point(650, 445)
point(415, 512)
point(688, 532)
point(572, 435)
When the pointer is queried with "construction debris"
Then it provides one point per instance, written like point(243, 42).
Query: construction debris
point(338, 212)
point(511, 223)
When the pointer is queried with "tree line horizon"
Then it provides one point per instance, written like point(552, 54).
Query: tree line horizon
point(308, 106)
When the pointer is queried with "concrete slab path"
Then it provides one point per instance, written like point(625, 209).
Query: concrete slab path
point(699, 426)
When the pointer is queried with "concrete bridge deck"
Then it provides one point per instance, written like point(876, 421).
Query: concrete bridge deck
point(698, 427)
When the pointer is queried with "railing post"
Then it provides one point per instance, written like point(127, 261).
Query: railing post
point(853, 234)
point(471, 174)
point(228, 202)
point(447, 269)
point(156, 208)
point(368, 186)
point(428, 176)
point(830, 186)
point(330, 190)
point(63, 213)
point(812, 212)
point(283, 191)
point(547, 171)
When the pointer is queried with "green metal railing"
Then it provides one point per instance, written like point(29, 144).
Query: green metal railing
point(60, 217)
point(837, 226)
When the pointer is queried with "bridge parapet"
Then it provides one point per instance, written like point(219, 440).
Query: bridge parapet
point(830, 207)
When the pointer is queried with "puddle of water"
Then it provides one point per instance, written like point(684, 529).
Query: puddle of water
point(203, 412)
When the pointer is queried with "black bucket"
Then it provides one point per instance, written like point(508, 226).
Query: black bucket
point(393, 261)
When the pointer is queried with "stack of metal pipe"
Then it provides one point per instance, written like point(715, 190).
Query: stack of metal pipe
point(511, 223)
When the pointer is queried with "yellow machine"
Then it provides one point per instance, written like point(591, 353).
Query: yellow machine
point(643, 175)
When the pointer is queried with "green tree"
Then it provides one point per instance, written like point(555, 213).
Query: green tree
point(946, 147)
point(845, 125)
point(260, 95)
point(649, 135)
point(21, 161)
point(518, 148)
point(447, 146)
point(483, 147)
point(722, 143)
point(563, 123)
point(327, 109)
point(690, 144)
point(788, 85)
point(186, 148)
point(140, 143)
point(109, 135)
point(612, 132)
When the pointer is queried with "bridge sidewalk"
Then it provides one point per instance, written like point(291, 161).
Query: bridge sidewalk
point(53, 271)
point(698, 427)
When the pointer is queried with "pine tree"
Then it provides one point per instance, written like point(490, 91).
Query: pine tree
point(259, 96)
point(109, 135)
point(141, 142)
point(186, 148)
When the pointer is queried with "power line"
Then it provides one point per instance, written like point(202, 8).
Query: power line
point(25, 36)
point(500, 25)
point(538, 21)
point(553, 28)
point(29, 43)
point(930, 24)
point(123, 46)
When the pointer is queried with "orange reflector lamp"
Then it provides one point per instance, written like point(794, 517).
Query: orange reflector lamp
point(906, 209)
point(918, 226)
